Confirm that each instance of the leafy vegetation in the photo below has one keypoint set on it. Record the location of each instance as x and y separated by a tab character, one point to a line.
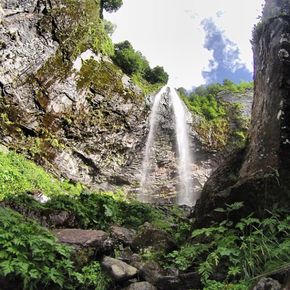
31	258
238	252
134	63
216	116
111	5
17	175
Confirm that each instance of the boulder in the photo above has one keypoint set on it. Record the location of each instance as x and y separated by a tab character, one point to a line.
118	270
141	286
152	237
82	238
185	281
151	271
123	235
267	284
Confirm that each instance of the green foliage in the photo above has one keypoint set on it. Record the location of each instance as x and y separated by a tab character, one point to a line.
95	210
91	277
20	175
111	5
30	253
145	86
128	59
109	26
203	101
135	64
31	258
238	251
156	75
221	123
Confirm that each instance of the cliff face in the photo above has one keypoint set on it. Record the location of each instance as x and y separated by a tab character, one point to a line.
259	174
65	104
62	100
269	146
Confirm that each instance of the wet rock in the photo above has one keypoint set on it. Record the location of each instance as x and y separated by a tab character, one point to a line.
152	237
122	235
141	286
151	271
61	219
268	284
179	282
118	270
82	238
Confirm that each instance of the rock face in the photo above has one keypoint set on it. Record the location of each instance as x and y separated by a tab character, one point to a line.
65	104
62	101
263	168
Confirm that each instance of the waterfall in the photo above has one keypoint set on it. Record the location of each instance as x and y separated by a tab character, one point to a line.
186	194
146	165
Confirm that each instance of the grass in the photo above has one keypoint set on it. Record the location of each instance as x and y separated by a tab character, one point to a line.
18	175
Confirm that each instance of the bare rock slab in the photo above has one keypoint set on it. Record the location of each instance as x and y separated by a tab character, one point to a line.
118	270
82	238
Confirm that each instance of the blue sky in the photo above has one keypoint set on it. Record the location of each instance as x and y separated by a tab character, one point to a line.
197	42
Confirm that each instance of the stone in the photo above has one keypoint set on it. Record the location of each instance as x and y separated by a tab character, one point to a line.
141	286
152	237
185	281
123	235
118	270
82	238
267	284
151	271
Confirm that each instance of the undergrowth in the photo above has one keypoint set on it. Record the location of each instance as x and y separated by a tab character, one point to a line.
231	255
31	258
18	174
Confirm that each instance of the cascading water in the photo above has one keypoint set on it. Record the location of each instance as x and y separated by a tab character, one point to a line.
146	165
186	194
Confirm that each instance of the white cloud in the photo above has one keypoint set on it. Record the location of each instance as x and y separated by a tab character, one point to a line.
169	34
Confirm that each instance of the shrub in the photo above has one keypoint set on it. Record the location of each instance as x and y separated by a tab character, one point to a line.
156	75
237	251
111	5
31	258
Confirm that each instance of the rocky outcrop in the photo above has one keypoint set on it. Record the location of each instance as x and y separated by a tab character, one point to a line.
261	174
67	106
62	101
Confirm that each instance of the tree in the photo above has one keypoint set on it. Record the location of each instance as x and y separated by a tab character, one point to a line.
111	5
156	75
109	26
129	60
